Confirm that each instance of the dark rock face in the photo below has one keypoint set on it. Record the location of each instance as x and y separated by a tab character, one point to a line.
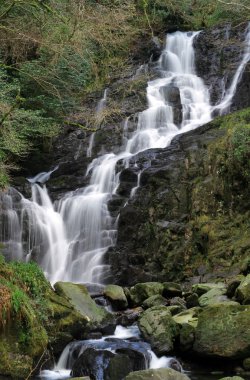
218	52
168	230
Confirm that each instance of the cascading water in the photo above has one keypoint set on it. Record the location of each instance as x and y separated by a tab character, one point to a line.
69	240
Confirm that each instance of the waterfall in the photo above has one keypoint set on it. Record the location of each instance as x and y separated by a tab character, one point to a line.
69	240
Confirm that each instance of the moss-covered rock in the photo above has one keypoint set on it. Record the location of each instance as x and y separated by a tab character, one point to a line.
215	295
77	295
201	289
156	300
223	331
141	291
189	316
158	328
116	296
246	364
233	284
157	374
242	293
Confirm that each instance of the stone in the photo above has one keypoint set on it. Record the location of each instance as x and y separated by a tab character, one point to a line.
192	300
157	374
187	336
104	364
189	316
140	292
215	295
201	289
158	328
177	301
154	301
223	331
116	296
171	289
77	295
233	285
242	293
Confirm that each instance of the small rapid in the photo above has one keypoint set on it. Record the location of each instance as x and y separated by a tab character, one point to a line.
125	341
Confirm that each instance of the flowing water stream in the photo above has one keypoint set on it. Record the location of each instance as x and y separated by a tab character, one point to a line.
69	239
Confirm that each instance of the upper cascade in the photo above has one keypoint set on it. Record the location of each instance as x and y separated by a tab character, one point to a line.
69	239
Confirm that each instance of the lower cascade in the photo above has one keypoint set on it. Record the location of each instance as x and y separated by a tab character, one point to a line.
69	238
115	355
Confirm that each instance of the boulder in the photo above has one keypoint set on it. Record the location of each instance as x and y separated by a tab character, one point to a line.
96	316
171	289
141	291
192	300
116	296
215	295
187	336
177	301
158	328
189	317
242	293
223	331
104	364
156	300
201	289
233	285
157	374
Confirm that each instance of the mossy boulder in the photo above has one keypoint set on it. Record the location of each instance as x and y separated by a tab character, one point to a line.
189	316
242	293
156	300
215	295
223	331
77	295
116	296
141	291
201	289
158	328
157	374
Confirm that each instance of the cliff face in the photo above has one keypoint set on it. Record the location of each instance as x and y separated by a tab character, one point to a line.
189	216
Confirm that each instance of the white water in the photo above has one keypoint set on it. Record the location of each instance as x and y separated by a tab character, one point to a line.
69	240
64	365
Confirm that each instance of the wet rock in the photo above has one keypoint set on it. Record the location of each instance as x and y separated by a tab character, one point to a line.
95	316
129	316
157	374
187	336
214	49
158	328
116	296
242	293
104	364
223	331
172	97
